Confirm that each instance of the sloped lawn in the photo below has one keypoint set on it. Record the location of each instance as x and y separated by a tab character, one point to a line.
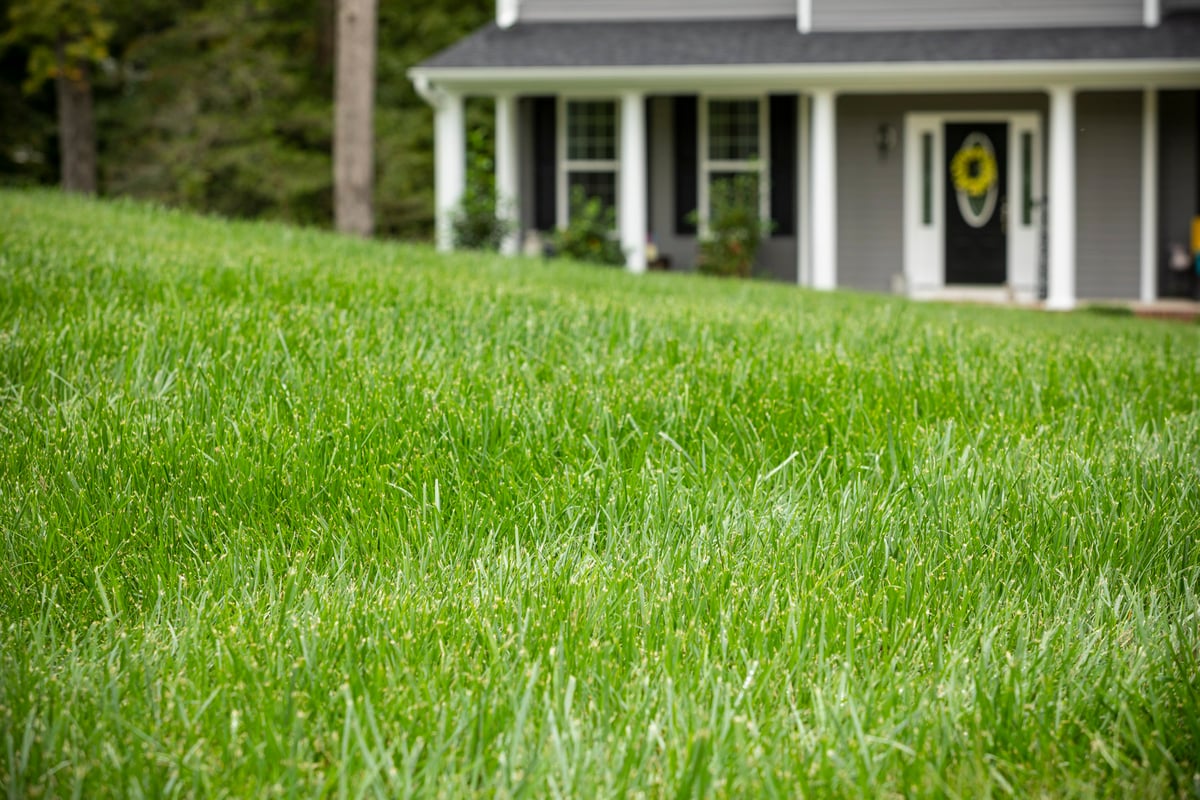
285	514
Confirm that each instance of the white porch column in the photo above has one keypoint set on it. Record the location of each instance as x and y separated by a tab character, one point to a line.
508	201
1149	277
1060	294
631	192
823	193
450	163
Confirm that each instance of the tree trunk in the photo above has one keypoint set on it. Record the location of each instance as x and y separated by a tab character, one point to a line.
76	126
353	128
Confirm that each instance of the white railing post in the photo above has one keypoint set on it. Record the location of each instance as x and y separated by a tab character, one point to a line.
1152	13
507	12
804	15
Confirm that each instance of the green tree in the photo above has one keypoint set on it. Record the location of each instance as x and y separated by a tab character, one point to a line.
226	105
66	40
408	33
228	109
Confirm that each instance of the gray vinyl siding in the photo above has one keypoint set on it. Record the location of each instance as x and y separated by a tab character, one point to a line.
578	10
1178	194
1108	204
860	15
871	188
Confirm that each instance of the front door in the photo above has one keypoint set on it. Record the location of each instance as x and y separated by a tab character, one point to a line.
976	206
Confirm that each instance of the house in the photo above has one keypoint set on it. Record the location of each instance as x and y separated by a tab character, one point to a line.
1029	149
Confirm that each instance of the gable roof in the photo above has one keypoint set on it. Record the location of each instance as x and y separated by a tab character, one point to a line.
777	42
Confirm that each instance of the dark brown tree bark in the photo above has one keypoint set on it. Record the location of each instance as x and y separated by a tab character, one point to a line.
353	128
76	125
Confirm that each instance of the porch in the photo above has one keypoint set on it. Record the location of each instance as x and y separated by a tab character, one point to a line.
852	160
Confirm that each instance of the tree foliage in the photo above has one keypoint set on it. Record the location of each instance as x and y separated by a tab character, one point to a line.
226	106
63	37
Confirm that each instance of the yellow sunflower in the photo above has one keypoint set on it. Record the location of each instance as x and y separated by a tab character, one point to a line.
973	170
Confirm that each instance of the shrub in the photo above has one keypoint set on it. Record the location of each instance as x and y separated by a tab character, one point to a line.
475	224
589	236
735	230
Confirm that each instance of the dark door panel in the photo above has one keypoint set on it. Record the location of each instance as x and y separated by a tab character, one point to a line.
976	171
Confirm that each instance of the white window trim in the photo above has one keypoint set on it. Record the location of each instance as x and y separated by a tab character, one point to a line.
567	165
705	166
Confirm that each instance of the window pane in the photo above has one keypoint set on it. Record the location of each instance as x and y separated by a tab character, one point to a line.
601	186
926	178
591	130
733	130
1026	178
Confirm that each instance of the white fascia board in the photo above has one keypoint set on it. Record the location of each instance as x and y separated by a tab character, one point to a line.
905	78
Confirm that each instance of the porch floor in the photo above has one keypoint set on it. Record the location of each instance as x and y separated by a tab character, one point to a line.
1175	309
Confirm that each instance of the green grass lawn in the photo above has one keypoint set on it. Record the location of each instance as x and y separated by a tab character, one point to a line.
285	514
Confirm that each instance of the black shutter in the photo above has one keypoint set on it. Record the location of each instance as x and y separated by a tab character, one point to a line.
686	164
545	163
783	164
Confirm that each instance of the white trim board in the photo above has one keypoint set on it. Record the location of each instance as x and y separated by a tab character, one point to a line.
897	78
924	244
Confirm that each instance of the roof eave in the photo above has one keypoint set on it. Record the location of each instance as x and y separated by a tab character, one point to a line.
1011	75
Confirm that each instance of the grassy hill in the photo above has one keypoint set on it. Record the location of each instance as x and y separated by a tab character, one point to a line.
284	514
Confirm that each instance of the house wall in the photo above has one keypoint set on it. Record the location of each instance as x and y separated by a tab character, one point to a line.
857	15
1108	202
871	188
1179	196
574	10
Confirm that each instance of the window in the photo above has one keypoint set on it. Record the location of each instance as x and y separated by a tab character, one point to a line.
589	154
733	143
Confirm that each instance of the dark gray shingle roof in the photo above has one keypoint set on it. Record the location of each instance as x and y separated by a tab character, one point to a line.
776	41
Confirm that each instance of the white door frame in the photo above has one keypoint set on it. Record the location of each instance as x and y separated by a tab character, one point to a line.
925	236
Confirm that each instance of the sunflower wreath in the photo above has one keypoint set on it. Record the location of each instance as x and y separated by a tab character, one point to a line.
973	170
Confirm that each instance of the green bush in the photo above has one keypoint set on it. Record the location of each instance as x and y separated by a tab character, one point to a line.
735	228
475	224
589	236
